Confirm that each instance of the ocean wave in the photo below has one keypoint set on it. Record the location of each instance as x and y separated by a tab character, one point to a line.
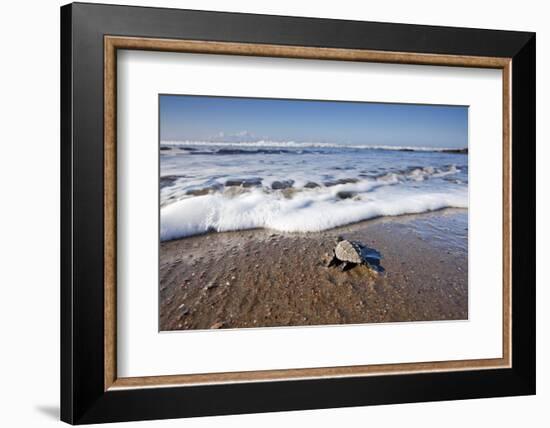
363	180
307	145
313	211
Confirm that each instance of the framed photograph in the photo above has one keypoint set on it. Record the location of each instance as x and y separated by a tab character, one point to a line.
265	213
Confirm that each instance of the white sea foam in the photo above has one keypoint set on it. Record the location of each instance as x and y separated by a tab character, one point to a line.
298	145
308	211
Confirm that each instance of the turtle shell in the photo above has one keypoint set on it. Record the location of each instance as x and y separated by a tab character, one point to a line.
348	251
356	252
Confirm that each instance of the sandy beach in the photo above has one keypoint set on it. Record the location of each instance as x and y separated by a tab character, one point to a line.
263	278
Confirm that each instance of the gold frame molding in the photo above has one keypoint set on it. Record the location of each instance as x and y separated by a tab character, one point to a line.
113	43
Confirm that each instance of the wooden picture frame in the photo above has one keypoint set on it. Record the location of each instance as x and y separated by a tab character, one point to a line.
91	390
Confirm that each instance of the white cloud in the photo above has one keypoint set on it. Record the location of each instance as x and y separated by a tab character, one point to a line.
243	134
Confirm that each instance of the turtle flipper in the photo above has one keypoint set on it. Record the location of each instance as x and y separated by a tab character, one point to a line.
347	266
333	261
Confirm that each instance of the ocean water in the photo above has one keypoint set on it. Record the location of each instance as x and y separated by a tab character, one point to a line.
300	187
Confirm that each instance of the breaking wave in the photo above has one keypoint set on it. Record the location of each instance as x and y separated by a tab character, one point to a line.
306	212
301	145
249	203
300	187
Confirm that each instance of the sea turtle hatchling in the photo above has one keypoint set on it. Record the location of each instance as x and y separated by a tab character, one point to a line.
348	254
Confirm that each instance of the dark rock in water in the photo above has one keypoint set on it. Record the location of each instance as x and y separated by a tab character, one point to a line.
202	191
231	151
340	181
200	152
345	194
168	180
198	192
252	182
284	184
244	182
165	148
248	151
456	151
311	185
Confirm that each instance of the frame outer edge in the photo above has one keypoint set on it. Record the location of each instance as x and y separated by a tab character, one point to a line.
298	30
83	397
66	218
524	215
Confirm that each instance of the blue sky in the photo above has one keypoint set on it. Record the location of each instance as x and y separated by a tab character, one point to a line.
202	118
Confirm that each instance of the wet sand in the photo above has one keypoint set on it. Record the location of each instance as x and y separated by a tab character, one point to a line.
263	278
